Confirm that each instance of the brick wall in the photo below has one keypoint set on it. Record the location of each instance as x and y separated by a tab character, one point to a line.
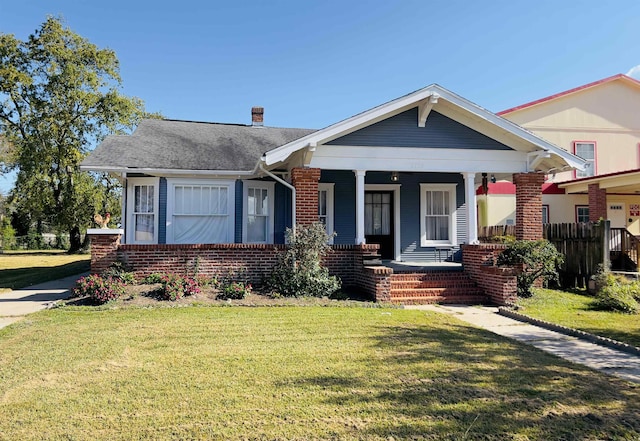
104	251
499	283
597	203
305	181
528	205
252	261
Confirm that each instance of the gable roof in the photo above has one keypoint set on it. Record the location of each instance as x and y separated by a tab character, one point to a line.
172	145
618	77
449	104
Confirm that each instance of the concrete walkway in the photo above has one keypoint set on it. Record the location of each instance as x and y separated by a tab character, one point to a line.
16	304
604	359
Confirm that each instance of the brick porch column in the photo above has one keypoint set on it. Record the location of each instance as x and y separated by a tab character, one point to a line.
597	203
305	181
528	205
104	247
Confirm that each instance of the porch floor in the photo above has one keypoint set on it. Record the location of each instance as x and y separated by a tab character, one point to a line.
421	267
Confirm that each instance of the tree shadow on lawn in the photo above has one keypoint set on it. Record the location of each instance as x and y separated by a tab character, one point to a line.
463	383
16	278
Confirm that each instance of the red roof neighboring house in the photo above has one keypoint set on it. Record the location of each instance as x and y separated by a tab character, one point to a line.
506	187
570	91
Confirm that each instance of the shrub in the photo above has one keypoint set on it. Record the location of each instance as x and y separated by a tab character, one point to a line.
99	289
175	287
118	270
299	272
617	297
537	259
235	290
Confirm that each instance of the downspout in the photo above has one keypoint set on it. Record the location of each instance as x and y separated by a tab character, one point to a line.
289	186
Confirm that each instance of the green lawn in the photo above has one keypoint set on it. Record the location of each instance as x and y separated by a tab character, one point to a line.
575	311
293	373
19	269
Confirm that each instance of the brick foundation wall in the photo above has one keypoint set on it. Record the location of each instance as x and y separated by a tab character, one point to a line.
104	251
375	281
528	205
499	283
250	261
305	181
597	203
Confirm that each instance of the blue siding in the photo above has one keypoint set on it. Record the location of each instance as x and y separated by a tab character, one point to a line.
282	215
162	215
344	208
402	131
345	215
238	220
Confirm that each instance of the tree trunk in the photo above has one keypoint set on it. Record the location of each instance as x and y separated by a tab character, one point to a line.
75	240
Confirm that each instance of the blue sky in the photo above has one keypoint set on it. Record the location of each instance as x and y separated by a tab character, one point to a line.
312	63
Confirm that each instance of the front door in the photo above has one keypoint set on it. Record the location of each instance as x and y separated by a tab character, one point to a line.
617	215
378	221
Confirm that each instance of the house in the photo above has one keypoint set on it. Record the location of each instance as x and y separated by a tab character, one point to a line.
598	122
399	180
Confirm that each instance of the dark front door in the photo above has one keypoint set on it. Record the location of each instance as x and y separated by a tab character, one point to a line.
378	221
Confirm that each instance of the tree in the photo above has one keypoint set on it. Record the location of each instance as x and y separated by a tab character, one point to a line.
59	96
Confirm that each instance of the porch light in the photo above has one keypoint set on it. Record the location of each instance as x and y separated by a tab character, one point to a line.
394	176
493	179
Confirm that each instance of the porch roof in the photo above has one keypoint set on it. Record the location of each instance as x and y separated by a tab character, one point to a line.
541	155
627	181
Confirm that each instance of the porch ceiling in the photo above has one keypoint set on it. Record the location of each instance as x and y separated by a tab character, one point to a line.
627	182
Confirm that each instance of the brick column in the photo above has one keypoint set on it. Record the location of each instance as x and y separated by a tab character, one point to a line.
104	247
528	205
305	181
597	203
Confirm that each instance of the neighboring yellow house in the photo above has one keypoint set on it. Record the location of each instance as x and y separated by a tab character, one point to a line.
600	122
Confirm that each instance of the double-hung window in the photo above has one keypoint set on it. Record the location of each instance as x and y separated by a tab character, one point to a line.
437	214
200	211
325	207
258	212
587	151
142	209
582	213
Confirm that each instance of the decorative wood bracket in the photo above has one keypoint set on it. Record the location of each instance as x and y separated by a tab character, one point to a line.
535	158
425	109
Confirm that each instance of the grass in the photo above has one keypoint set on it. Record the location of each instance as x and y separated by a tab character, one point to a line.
19	269
293	373
575	311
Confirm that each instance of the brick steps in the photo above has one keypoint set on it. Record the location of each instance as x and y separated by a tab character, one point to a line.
435	287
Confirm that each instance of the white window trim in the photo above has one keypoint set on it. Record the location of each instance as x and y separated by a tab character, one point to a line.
171	203
130	224
270	186
395	188
451	188
328	187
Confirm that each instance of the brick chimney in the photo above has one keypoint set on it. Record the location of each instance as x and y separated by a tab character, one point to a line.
257	116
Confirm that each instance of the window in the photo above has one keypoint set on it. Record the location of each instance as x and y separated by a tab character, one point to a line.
437	214
258	212
142	206
545	214
325	207
587	151
582	213
200	211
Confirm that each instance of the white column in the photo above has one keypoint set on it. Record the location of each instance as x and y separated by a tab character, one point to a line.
360	206
472	211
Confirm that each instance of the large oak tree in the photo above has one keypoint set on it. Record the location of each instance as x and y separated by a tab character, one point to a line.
60	95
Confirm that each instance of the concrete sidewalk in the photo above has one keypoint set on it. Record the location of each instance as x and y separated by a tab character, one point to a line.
16	304
604	359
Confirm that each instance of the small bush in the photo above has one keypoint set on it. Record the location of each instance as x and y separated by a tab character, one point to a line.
298	272
118	270
617	298
99	289
537	258
235	290
153	278
175	287
616	293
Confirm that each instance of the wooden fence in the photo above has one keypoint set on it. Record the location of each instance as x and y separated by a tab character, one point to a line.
584	245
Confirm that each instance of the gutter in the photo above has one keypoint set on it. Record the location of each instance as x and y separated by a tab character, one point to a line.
286	184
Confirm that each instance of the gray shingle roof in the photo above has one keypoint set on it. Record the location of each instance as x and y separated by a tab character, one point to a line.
187	145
